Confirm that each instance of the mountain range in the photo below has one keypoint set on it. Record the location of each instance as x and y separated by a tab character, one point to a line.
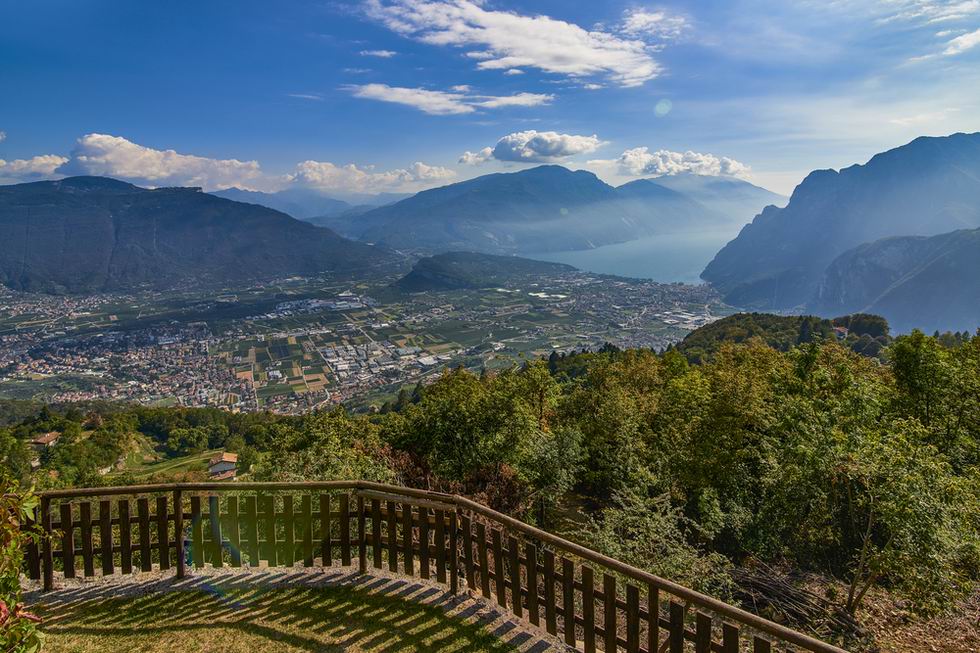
299	203
310	204
928	187
88	234
929	283
547	208
736	199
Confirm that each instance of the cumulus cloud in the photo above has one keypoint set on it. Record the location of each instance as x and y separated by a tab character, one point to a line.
384	54
442	103
640	161
657	24
962	43
476	158
504	40
37	167
534	147
325	176
114	156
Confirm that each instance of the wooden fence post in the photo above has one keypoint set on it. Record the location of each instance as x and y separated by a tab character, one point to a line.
47	558
179	533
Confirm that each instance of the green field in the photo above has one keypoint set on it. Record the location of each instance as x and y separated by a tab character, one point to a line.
191	463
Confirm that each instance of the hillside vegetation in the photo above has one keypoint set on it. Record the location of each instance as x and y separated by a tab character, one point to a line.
860	475
455	270
863	334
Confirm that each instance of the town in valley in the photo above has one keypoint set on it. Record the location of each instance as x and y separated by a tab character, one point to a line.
301	344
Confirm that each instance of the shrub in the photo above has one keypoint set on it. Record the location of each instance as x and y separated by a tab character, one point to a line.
18	627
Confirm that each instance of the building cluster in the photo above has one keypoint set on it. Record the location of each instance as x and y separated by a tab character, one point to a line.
167	365
315	352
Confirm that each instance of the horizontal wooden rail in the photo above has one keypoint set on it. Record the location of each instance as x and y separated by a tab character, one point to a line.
592	601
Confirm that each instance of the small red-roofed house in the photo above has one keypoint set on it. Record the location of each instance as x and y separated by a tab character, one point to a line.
223	466
46	440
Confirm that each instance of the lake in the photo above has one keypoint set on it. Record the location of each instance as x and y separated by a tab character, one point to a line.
666	258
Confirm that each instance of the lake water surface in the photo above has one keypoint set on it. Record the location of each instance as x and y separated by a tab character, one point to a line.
666	258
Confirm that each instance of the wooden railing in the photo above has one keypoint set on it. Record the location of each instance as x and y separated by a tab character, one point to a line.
587	599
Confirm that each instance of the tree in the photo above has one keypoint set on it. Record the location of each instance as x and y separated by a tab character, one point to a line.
916	520
650	533
325	446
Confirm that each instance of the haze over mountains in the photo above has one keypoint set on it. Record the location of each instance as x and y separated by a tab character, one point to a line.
547	208
929	283
898	236
928	187
309	204
299	203
736	199
89	234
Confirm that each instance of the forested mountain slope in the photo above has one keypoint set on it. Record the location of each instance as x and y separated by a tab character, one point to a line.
88	234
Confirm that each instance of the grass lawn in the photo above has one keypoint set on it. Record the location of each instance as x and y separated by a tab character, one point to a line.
269	620
192	462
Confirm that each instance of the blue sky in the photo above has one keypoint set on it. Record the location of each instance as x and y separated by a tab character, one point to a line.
399	95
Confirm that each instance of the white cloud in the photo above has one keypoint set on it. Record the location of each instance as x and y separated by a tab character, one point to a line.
3	136
534	147
962	43
384	54
930	11
43	165
657	24
306	96
476	158
518	100
513	71
350	178
114	156
441	103
930	117
503	40
640	161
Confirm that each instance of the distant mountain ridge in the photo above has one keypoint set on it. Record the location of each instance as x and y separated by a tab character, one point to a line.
929	283
736	199
298	203
470	270
546	208
928	187
90	234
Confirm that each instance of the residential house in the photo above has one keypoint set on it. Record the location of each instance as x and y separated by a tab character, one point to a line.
223	466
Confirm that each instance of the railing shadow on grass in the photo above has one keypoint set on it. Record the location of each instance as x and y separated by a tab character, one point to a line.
334	610
590	601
